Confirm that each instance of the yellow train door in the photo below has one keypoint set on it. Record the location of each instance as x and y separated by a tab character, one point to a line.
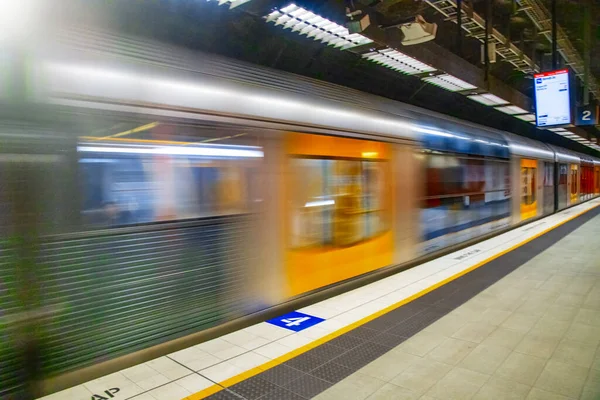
528	189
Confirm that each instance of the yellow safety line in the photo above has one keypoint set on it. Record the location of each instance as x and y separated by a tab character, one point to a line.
279	360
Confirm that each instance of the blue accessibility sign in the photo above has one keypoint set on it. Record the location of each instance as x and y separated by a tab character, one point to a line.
295	321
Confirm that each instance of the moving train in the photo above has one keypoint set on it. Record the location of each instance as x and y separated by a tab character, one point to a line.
164	192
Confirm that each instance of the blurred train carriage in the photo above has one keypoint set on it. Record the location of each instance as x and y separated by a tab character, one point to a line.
180	193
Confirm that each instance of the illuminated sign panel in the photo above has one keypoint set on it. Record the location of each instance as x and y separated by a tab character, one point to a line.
552	98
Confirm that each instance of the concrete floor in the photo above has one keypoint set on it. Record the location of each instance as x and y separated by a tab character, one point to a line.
535	334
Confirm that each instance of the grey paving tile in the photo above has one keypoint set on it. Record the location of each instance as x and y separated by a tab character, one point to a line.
451	351
446	325
583	333
387	339
457	299
458	384
438	295
389	365
499	389
281	374
328	351
421	375
224	394
593	378
253	388
504	337
521	368
281	394
520	322
561	378
363	332
422	343
356	387
538	345
475	332
485	359
308	386
305	362
390	391
539	394
332	372
575	353
346	342
361	355
408	310
396	316
415	324
590	393
383	323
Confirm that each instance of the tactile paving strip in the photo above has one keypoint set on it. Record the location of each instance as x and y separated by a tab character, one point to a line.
308	374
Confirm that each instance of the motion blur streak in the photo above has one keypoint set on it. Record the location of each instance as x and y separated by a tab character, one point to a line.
149	193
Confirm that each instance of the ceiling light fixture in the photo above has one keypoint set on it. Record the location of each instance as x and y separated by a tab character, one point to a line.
449	82
398	61
526	117
512	110
488	99
304	22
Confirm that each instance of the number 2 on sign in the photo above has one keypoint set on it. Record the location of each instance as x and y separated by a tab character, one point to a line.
294	321
587	115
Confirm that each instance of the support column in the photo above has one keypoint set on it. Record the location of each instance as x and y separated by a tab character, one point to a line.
587	33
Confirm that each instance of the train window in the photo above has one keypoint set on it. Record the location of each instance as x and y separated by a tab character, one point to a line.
336	202
463	192
562	178
548	174
528	185
312	202
573	180
128	181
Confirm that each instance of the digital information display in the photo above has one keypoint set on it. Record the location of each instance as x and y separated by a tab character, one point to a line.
552	98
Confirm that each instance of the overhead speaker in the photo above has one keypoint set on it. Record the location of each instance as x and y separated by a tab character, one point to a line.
419	31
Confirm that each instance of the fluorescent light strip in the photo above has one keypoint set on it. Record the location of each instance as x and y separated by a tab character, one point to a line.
449	82
175	150
314	26
488	99
398	61
511	110
305	22
526	117
320	203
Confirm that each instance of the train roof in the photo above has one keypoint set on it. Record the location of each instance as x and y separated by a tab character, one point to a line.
566	156
104	71
529	148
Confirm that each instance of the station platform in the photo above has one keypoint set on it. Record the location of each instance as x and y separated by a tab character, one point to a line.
513	317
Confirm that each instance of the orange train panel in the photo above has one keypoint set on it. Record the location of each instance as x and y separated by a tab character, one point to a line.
528	188
320	265
309	270
574	181
331	146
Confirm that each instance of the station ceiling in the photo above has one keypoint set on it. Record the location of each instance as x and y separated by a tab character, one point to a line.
206	26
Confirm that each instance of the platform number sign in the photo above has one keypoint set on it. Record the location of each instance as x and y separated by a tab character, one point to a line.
295	321
587	115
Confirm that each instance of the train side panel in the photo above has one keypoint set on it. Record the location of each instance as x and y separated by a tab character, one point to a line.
408	188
